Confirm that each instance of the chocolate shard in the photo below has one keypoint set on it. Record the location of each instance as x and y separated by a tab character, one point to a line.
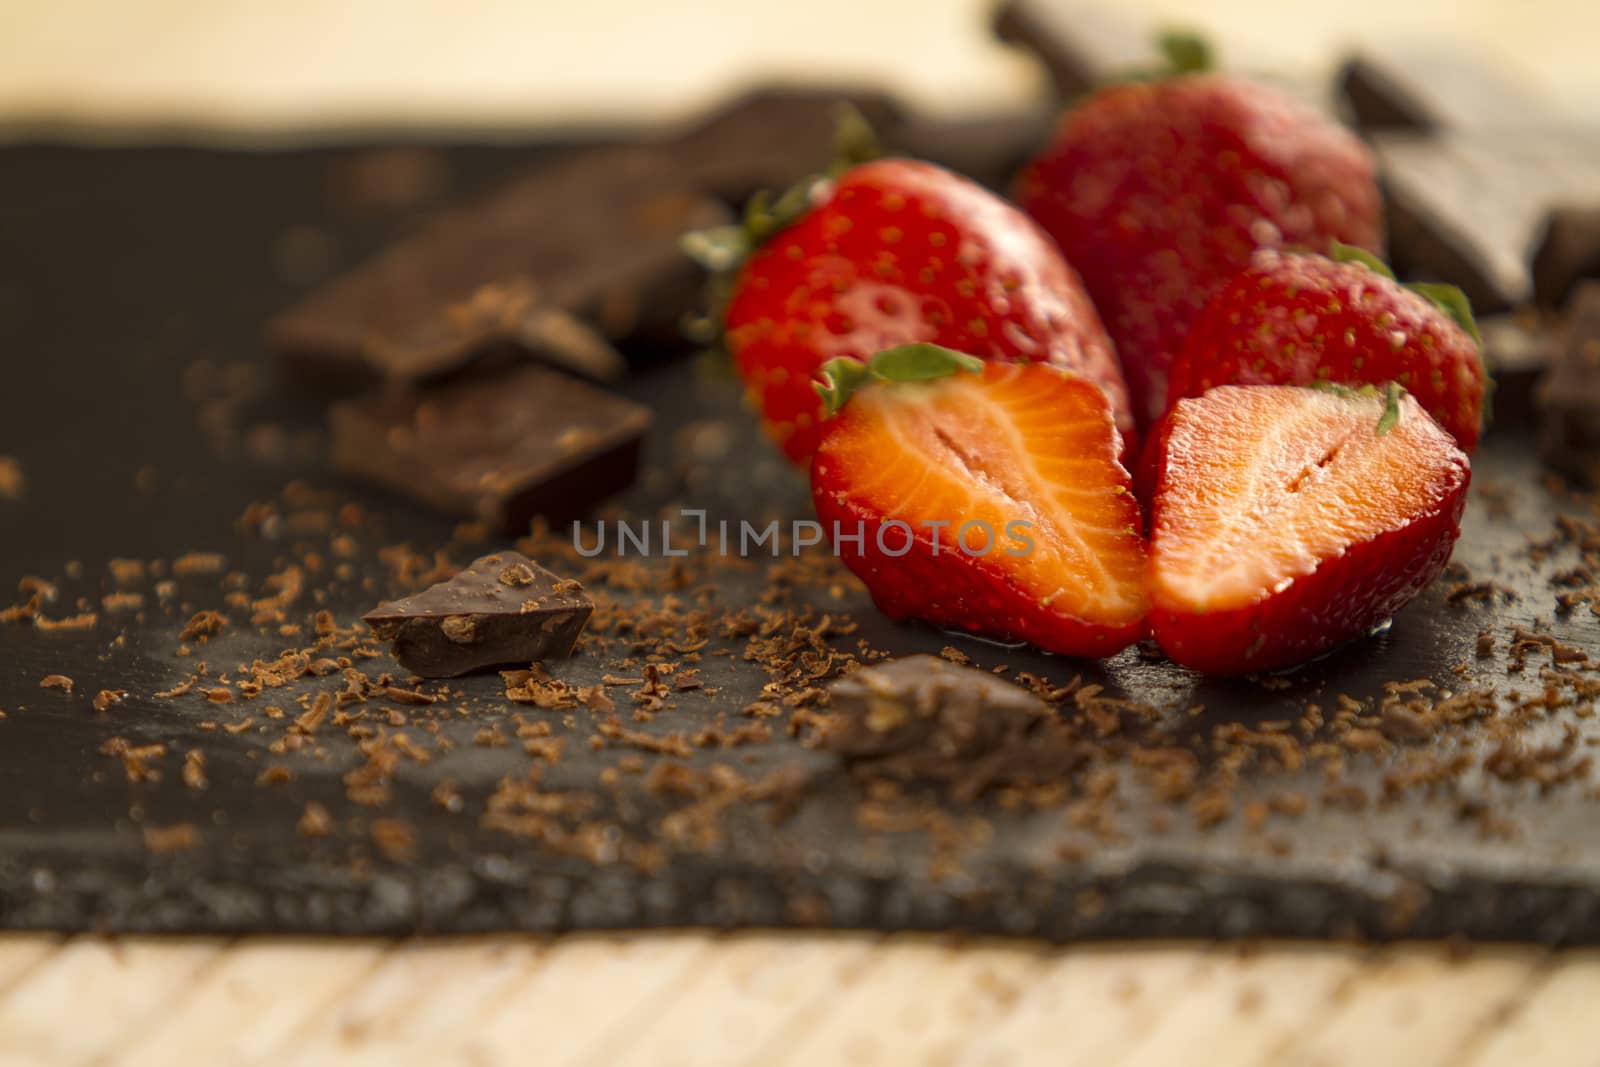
1466	207
1428	89
1517	348
1568	396
504	609
593	235
922	719
773	137
502	449
990	148
1082	47
1567	251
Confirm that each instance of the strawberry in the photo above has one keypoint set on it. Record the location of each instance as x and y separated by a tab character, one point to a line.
888	253
1300	319
1159	192
987	497
1287	520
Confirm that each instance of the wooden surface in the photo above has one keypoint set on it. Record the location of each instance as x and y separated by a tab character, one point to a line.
780	1000
286	69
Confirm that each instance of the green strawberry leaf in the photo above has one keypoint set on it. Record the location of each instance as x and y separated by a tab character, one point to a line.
1392	392
1452	302
1391	408
717	249
908	363
1186	51
1340	252
840	379
854	140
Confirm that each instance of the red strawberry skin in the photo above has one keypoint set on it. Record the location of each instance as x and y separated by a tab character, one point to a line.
1159	192
911	453
1297	319
897	252
1282	526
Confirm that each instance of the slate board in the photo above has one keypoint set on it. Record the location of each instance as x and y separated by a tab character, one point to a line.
120	268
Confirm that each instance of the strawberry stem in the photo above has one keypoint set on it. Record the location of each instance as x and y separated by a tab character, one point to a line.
1186	51
908	363
1392	392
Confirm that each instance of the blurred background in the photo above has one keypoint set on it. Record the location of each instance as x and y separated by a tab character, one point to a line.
326	68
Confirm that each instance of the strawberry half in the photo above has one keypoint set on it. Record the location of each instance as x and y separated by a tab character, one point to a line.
1159	192
1297	319
1286	521
989	498
888	253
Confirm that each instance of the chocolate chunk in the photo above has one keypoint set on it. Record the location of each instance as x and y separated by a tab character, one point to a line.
592	235
924	719
1569	394
1082	47
502	449
990	149
1467	207
1517	347
504	609
1427	89
1568	250
772	138
1085	47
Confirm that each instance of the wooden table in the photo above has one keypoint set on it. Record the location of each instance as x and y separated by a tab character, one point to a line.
773	1000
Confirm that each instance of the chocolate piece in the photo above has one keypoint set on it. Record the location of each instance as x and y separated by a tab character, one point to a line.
1082	47
1569	394
924	719
501	449
1517	347
772	138
1568	250
1466	207
1426	89
504	609
1085	47
594	235
990	149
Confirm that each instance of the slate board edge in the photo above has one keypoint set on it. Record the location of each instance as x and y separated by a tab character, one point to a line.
1150	899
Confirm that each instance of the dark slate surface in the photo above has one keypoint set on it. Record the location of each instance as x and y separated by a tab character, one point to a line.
119	269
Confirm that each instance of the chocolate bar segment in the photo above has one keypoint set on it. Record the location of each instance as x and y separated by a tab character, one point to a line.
1429	89
593	235
1466	207
1569	394
1567	252
961	730
772	138
502	449
502	610
1082	47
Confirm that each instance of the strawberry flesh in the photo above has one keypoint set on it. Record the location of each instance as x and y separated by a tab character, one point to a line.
1283	523
1027	444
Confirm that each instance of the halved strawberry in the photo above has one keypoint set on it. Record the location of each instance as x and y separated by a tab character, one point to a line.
1286	520
988	497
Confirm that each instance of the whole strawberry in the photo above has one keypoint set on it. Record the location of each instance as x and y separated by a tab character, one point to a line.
1287	520
983	497
894	252
1298	319
1159	192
